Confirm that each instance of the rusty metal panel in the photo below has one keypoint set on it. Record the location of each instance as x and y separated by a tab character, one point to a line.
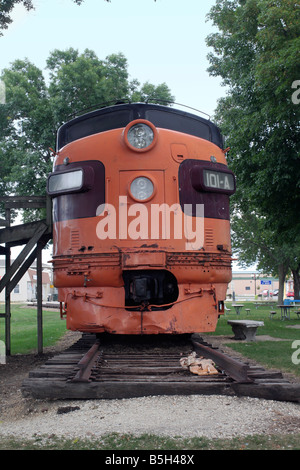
144	259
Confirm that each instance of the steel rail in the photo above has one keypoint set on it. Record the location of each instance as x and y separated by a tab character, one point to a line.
235	369
86	364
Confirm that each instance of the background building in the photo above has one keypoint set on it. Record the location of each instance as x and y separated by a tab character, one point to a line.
25	290
251	285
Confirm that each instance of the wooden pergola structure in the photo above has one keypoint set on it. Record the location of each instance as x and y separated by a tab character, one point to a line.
34	236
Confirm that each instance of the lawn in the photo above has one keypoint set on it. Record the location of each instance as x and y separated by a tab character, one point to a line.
276	354
24	328
125	442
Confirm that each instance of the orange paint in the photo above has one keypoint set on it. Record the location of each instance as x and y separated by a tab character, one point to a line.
88	271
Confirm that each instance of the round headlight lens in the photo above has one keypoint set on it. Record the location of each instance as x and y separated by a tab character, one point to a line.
140	136
141	188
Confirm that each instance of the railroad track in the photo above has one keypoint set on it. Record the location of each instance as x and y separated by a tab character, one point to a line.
112	367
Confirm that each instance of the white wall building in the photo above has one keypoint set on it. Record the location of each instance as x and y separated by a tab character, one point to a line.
25	290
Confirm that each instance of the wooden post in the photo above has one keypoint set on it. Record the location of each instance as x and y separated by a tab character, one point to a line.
39	297
7	293
49	212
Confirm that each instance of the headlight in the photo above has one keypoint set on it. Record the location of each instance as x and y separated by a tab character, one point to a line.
141	188
140	135
68	181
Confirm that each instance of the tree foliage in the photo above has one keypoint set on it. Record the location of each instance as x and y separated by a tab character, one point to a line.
6	8
257	55
256	52
34	110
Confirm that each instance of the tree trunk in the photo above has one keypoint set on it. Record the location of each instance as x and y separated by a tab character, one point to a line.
282	272
296	278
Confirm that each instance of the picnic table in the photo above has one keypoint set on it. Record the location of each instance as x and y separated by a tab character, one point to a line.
245	329
289	301
238	308
263	303
285	311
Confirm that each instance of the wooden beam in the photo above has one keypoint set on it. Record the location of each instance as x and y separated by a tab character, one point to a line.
3	250
21	257
20	234
23	202
13	282
3	223
49	219
25	266
25	205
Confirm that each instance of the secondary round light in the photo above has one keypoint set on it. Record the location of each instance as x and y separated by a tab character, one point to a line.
141	188
140	136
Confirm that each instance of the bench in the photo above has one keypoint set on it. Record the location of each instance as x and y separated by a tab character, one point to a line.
272	313
227	309
245	329
247	311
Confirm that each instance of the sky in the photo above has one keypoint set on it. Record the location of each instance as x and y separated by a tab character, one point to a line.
163	41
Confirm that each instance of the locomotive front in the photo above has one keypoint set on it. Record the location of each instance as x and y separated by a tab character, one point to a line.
141	235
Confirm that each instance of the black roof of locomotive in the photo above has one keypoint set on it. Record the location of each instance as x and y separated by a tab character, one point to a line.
114	117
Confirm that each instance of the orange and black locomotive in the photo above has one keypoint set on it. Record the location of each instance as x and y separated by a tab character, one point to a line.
141	221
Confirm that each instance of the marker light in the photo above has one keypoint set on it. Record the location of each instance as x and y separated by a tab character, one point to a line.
141	188
65	182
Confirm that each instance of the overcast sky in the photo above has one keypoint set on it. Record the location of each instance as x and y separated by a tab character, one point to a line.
163	41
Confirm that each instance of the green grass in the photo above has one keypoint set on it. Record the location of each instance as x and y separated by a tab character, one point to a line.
275	354
24	329
146	442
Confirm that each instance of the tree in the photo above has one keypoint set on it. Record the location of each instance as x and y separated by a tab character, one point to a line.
6	8
254	241
27	131
82	81
33	111
150	92
258	117
256	54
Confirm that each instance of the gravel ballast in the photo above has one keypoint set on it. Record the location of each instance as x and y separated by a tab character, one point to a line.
209	416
